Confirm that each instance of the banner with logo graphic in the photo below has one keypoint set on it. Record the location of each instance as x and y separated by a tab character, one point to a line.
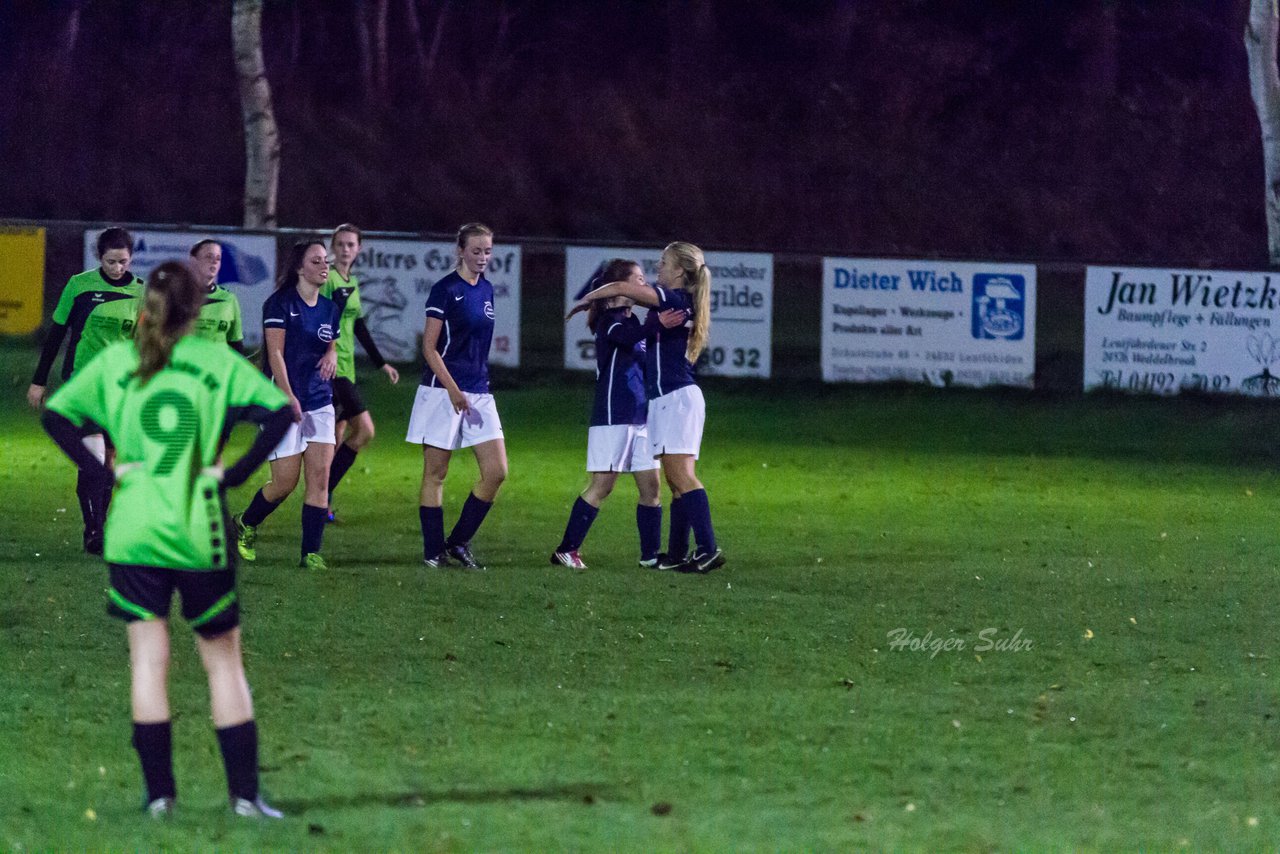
1165	331
21	280
938	322
248	266
741	308
396	277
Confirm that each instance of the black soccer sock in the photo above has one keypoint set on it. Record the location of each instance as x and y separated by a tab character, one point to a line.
154	743
342	460
89	492
649	523
313	521
580	519
698	510
239	745
432	521
107	486
473	512
259	509
678	535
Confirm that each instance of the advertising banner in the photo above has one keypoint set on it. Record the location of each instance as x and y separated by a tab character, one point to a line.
1164	331
248	266
938	322
396	276
21	280
741	308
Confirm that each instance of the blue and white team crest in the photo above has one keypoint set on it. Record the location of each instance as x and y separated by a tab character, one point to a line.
999	306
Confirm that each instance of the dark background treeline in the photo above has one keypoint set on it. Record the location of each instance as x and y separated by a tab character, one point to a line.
1088	130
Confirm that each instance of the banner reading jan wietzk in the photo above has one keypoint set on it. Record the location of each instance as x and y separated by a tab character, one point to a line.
1165	331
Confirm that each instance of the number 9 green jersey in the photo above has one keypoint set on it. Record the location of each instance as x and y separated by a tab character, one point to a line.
167	510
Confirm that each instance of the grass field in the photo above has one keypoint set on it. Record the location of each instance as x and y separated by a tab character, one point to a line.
764	707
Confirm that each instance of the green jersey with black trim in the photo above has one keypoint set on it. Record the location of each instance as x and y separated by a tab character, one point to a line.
167	509
346	293
219	318
97	312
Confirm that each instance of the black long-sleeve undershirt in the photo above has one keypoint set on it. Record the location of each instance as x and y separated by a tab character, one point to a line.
365	337
48	353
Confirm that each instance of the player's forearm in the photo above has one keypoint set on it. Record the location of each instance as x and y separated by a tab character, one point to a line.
436	364
67	436
365	337
48	353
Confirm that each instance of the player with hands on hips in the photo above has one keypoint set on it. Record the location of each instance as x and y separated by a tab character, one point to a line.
167	401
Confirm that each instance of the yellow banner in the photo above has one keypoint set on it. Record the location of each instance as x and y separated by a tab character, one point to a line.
21	280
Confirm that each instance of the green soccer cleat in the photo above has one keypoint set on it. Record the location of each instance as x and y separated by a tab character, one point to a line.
246	536
313	560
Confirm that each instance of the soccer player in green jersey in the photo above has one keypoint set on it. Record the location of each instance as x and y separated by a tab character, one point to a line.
353	416
97	307
167	400
219	318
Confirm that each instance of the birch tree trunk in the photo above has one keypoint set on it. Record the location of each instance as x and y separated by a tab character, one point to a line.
261	137
1264	82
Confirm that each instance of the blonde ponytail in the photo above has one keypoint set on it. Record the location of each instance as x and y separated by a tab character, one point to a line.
697	277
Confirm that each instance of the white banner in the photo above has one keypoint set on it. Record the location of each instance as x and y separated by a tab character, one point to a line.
938	322
1163	331
248	266
395	278
741	308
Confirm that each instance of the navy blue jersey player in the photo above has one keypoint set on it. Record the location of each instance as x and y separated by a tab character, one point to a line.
299	328
677	411
617	440
453	408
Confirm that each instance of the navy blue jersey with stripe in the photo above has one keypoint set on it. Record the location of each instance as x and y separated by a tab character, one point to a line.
666	368
466	310
308	329
620	349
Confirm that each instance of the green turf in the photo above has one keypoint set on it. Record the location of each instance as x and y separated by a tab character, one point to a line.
761	707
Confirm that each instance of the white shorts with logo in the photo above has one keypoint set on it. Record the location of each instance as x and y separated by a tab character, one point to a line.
676	420
316	426
619	447
434	422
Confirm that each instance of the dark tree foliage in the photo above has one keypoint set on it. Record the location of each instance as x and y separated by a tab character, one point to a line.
1091	130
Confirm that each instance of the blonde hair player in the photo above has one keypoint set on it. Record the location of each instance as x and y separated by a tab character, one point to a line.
453	408
677	411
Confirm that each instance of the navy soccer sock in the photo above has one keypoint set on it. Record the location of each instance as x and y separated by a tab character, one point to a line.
473	513
649	523
313	520
678	535
432	521
580	519
154	743
342	460
259	509
698	509
239	746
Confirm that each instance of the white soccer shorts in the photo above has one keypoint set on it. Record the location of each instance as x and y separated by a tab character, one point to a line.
676	420
316	426
619	447
434	422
